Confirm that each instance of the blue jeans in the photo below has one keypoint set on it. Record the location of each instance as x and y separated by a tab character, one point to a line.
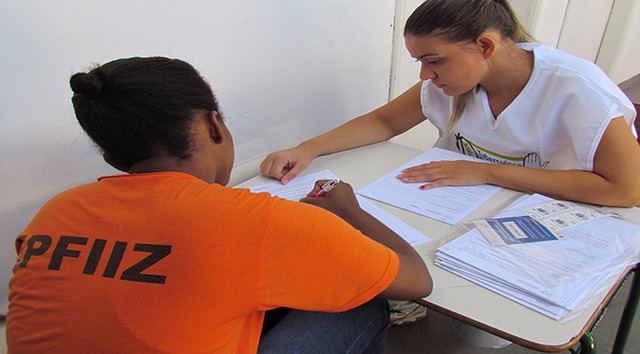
359	330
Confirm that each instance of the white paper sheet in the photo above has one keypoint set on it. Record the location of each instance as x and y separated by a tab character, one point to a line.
472	254
446	204
300	186
555	278
587	248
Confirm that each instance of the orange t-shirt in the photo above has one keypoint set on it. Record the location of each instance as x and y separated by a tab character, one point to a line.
164	262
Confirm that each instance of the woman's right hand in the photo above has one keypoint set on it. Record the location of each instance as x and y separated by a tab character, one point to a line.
286	164
341	201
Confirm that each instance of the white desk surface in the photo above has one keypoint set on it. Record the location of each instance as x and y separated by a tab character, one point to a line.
453	295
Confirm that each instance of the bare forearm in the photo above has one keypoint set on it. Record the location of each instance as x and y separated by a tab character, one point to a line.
413	280
613	182
580	186
395	117
379	232
361	131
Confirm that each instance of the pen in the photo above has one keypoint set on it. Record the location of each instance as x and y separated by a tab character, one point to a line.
329	185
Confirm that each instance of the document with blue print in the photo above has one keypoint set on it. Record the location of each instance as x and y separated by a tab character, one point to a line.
514	230
541	222
300	186
556	278
446	204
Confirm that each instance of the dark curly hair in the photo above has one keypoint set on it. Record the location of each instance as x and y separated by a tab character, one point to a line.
136	108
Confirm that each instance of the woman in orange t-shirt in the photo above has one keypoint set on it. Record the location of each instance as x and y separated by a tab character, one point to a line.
166	258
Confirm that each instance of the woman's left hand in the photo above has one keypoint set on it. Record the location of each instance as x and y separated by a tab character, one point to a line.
446	173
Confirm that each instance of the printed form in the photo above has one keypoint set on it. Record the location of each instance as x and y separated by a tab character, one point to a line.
556	278
446	204
300	186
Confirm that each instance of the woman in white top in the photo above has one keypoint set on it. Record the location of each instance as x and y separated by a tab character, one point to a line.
552	123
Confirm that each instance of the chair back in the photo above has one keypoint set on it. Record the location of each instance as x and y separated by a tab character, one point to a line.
631	88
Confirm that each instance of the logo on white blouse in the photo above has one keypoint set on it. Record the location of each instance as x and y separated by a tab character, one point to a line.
532	159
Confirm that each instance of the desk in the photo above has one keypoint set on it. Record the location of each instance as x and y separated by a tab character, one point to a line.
452	295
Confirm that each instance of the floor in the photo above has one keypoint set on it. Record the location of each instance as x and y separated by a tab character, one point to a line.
435	335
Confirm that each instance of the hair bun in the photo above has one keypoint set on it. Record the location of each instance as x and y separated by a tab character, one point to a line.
87	84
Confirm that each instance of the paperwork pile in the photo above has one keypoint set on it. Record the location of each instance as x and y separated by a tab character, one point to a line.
556	278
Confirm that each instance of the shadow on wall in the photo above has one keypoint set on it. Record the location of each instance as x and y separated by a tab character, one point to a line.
325	107
39	179
19	215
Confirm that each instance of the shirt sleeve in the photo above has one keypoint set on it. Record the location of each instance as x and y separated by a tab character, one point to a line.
313	260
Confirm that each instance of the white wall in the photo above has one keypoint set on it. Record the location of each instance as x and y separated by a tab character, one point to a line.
619	54
283	70
606	32
404	74
542	18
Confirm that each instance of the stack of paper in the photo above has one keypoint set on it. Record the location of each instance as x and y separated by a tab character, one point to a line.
556	278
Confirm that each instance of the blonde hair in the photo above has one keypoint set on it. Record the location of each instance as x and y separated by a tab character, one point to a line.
463	21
